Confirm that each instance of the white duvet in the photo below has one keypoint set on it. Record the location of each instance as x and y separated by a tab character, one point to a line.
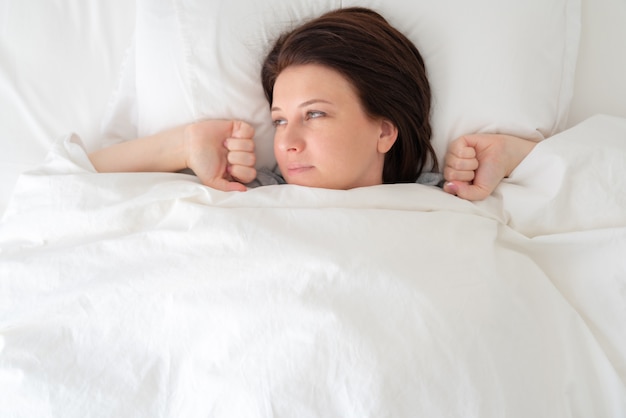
150	295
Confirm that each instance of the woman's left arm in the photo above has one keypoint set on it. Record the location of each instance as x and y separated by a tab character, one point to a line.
475	164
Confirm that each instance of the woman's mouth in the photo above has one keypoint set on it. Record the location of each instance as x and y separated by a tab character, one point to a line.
295	169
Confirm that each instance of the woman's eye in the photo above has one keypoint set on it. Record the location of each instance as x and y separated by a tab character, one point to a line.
278	122
313	114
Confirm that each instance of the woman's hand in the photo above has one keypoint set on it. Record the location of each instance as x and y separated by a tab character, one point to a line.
475	164
221	153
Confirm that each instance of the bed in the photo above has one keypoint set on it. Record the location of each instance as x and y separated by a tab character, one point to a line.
151	295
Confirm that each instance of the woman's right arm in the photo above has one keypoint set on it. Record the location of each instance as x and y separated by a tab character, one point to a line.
220	152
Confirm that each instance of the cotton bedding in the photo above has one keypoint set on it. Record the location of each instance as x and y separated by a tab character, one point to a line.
149	294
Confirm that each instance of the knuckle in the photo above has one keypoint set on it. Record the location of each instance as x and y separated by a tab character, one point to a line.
457	164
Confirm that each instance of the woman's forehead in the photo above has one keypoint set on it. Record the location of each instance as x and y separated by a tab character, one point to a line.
314	81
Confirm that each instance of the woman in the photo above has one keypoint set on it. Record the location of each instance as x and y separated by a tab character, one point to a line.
350	102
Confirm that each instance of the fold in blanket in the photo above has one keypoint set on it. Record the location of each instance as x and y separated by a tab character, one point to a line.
149	294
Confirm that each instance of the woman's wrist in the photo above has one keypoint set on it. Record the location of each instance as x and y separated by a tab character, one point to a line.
517	149
164	151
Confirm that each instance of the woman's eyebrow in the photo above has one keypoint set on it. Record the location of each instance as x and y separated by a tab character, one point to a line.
303	104
313	101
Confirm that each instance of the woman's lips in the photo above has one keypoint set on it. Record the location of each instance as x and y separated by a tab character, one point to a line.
293	169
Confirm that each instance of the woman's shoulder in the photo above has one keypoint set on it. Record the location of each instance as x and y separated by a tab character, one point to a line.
266	177
431	179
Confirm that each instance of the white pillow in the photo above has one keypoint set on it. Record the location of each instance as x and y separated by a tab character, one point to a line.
493	65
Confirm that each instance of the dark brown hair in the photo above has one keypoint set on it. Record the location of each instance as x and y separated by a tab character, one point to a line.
385	68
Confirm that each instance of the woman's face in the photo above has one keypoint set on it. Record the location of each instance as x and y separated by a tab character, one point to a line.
323	136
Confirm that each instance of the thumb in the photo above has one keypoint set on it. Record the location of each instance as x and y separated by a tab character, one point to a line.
225	185
466	190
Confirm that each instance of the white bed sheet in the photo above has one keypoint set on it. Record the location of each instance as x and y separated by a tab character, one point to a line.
152	295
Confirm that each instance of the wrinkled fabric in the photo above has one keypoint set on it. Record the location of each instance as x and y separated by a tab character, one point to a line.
150	295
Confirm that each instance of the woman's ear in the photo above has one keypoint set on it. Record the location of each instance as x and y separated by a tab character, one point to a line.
388	135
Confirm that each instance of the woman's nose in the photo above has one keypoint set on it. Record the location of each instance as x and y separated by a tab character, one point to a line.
289	138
